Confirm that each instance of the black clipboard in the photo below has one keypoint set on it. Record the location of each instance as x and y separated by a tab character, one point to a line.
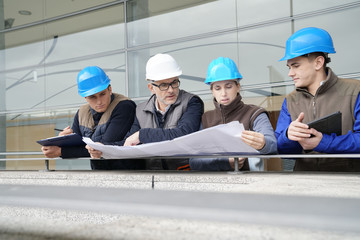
328	124
70	140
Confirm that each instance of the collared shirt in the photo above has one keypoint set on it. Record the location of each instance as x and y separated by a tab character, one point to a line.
158	109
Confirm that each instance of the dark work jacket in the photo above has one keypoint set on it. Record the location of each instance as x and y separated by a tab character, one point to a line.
235	111
107	127
335	94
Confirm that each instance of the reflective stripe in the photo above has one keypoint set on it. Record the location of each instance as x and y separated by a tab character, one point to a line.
184	168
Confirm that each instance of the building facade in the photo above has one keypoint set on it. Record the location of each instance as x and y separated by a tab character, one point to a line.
45	43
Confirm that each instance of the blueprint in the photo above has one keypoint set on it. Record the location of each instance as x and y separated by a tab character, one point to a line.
222	139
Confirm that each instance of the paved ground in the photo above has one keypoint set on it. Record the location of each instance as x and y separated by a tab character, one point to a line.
18	222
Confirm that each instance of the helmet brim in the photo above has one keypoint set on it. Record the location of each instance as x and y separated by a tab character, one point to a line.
94	90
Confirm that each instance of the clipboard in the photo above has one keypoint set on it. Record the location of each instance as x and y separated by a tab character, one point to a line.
70	140
328	124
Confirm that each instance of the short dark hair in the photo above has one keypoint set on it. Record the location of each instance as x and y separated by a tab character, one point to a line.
314	55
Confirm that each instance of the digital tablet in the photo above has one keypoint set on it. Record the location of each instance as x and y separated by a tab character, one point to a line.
328	124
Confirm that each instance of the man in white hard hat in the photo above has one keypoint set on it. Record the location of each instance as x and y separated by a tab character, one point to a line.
169	112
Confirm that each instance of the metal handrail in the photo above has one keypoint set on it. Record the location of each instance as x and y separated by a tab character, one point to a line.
235	156
20	153
325	155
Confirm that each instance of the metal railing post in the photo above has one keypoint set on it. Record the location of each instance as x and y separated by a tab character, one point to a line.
236	164
47	165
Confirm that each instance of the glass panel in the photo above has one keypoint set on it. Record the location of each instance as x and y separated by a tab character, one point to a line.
250	12
304	6
25	89
100	30
177	19
21	12
257	97
2	137
95	32
22	132
61	87
26	72
136	72
41	74
29	52
55	86
22	87
344	29
259	52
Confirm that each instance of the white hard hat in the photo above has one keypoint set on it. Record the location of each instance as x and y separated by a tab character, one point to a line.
162	66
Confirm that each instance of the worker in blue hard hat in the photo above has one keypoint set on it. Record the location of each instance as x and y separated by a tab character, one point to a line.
106	117
319	92
224	79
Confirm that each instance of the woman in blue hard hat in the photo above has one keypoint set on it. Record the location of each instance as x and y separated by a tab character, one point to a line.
223	77
319	92
106	118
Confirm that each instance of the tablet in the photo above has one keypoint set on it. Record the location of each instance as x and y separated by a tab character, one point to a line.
328	124
70	140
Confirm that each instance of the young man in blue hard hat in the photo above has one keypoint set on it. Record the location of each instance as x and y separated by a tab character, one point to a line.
169	112
223	77
318	92
106	118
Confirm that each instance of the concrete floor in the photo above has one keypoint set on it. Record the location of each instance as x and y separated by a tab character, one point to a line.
20	222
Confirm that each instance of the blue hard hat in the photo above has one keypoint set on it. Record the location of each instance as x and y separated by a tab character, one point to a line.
92	80
222	69
308	40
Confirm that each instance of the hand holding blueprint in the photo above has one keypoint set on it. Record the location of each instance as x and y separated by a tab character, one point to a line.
222	139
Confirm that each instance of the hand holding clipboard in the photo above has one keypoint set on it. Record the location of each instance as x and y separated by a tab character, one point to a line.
70	140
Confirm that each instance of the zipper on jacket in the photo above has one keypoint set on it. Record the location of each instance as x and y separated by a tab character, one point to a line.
314	109
222	115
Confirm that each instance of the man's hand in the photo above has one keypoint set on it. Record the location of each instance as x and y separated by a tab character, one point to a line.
297	130
94	154
132	140
66	131
253	139
51	151
232	162
312	142
300	132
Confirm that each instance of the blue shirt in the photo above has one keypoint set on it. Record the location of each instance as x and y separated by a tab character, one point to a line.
348	143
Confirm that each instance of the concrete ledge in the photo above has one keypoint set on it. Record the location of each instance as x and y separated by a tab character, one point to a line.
20	222
44	224
343	185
